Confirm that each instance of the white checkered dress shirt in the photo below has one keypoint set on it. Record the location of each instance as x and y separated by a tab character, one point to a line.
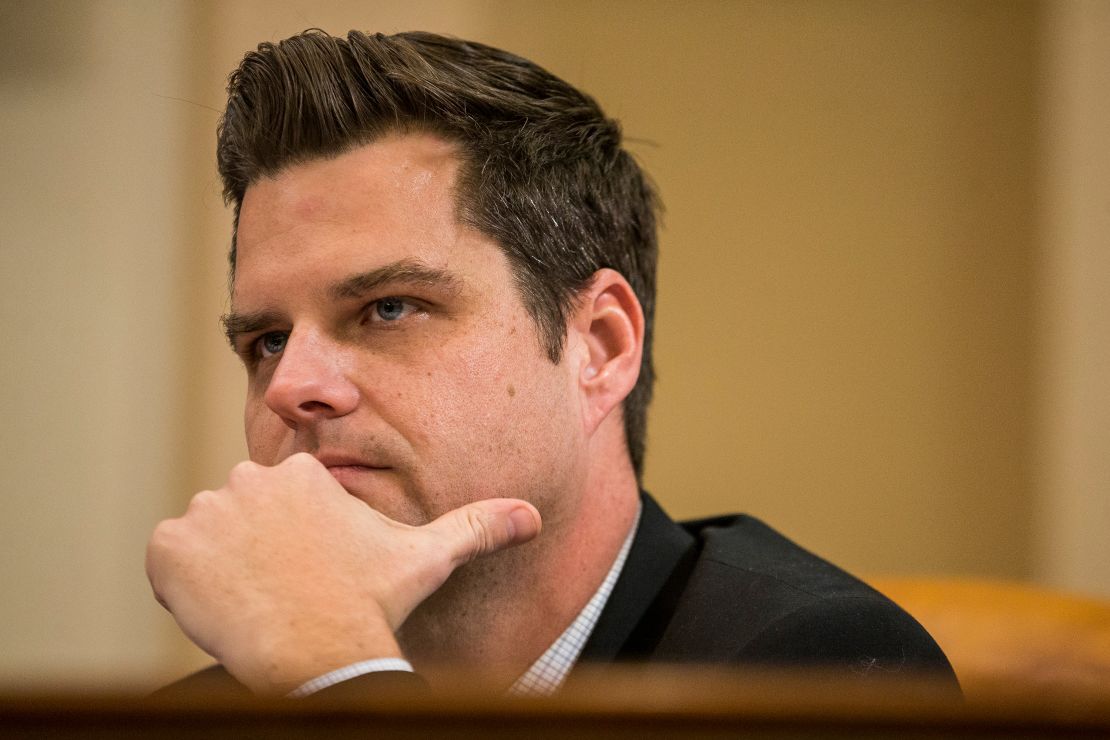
544	677
548	673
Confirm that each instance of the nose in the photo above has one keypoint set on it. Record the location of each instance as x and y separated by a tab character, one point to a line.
310	382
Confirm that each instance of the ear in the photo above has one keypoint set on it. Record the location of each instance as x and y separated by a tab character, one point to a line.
610	325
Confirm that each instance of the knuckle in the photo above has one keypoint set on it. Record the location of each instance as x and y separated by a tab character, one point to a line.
478	525
299	466
163	534
203	501
240	472
299	460
163	543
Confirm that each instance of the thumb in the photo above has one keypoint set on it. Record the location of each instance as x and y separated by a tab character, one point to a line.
485	527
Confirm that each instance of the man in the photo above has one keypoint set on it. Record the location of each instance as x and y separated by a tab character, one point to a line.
443	275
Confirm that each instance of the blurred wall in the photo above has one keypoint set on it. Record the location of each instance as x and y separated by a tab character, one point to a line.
93	236
844	320
1073	443
880	321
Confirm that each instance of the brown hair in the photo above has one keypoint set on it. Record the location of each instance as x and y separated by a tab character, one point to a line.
542	171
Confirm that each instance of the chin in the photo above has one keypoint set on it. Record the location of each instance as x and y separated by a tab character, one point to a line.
380	489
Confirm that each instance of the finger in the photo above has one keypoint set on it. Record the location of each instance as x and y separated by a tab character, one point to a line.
485	527
157	552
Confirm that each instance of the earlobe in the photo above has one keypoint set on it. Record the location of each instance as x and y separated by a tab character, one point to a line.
611	322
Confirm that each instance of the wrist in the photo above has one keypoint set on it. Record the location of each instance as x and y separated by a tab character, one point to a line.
287	664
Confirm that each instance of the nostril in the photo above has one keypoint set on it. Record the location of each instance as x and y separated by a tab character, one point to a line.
314	406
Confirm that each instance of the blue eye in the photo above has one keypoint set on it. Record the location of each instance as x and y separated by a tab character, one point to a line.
272	343
389	309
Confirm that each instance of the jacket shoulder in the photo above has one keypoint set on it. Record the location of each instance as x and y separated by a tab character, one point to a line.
756	597
751	549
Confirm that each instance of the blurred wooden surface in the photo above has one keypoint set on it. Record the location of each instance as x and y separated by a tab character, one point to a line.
636	703
998	633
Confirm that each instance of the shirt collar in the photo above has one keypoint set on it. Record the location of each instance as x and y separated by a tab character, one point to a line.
548	672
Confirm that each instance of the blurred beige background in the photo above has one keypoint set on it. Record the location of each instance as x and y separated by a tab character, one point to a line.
882	324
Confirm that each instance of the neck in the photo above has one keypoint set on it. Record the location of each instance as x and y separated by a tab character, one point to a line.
496	616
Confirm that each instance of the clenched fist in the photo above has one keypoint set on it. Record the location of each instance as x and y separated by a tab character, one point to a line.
282	576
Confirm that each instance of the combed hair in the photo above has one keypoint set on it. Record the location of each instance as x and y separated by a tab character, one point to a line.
542	171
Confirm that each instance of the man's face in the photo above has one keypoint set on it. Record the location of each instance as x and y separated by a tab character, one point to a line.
390	341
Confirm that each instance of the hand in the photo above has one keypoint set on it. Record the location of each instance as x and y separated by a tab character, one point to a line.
282	576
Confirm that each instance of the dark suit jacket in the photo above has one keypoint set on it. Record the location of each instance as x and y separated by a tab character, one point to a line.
729	590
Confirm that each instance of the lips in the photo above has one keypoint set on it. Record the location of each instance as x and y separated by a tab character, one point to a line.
357	480
348	470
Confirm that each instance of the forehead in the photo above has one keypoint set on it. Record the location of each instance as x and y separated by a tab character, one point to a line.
393	199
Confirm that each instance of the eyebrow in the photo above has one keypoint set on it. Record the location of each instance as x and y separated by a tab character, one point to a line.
236	324
409	272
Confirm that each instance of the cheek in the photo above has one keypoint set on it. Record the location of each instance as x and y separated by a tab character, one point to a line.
501	419
265	432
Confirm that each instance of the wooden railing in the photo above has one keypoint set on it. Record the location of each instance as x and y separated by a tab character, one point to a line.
631	703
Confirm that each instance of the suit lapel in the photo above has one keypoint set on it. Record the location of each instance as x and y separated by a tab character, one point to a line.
643	598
